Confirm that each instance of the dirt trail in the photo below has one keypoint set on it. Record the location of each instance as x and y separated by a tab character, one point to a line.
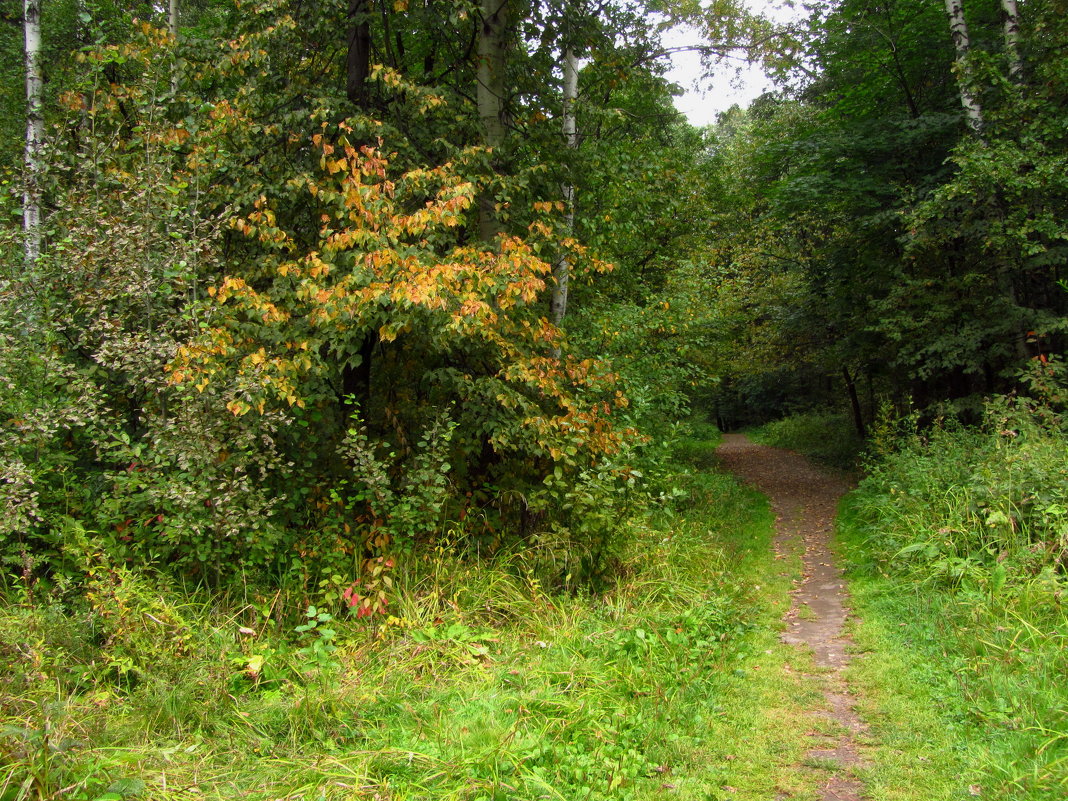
804	499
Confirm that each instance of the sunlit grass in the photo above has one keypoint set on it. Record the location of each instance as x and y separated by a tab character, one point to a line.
825	436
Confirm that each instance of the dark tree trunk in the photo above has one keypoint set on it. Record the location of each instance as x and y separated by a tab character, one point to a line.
854	402
490	95
358	58
356	378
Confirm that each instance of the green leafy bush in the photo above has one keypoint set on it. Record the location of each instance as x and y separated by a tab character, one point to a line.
953	503
227	362
826	436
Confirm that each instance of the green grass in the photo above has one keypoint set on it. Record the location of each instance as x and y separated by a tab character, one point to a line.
482	685
964	689
957	535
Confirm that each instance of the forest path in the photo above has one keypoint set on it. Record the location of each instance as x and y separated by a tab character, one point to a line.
804	499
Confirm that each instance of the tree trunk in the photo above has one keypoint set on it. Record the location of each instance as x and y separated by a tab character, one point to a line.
358	58
492	111
1011	23
172	28
31	194
356	379
854	402
562	268
958	28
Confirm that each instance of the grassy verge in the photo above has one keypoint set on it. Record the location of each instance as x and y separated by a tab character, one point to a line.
480	686
963	685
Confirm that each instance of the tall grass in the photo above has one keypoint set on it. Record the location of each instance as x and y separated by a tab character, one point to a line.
959	542
479	684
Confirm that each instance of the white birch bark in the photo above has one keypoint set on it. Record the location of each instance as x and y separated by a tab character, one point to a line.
958	28
1011	23
31	196
172	28
562	268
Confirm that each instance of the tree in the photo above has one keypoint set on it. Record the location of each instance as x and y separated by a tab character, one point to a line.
358	53
958	28
1011	25
562	269
918	253
492	91
31	212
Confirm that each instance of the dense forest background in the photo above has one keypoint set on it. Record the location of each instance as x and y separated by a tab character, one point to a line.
303	284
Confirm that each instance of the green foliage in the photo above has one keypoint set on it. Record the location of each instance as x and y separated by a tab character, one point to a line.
826	436
317	654
968	506
483	684
862	225
404	510
983	660
236	264
961	532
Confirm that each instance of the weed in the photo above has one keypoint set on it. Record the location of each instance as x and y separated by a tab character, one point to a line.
829	764
317	653
964	677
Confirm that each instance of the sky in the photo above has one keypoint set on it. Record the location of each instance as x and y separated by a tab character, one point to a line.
706	96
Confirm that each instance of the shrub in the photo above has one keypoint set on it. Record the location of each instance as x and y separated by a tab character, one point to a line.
825	435
951	500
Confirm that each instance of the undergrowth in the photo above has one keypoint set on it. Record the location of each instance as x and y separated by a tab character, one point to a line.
479	684
958	543
826	436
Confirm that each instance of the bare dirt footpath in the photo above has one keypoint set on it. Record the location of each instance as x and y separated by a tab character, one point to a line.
804	499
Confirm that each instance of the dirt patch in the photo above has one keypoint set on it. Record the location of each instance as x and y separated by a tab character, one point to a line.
804	499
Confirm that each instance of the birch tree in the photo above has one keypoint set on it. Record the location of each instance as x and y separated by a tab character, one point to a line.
172	29
562	268
958	28
31	198
1011	24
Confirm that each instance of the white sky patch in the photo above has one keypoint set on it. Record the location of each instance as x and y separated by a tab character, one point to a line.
732	81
